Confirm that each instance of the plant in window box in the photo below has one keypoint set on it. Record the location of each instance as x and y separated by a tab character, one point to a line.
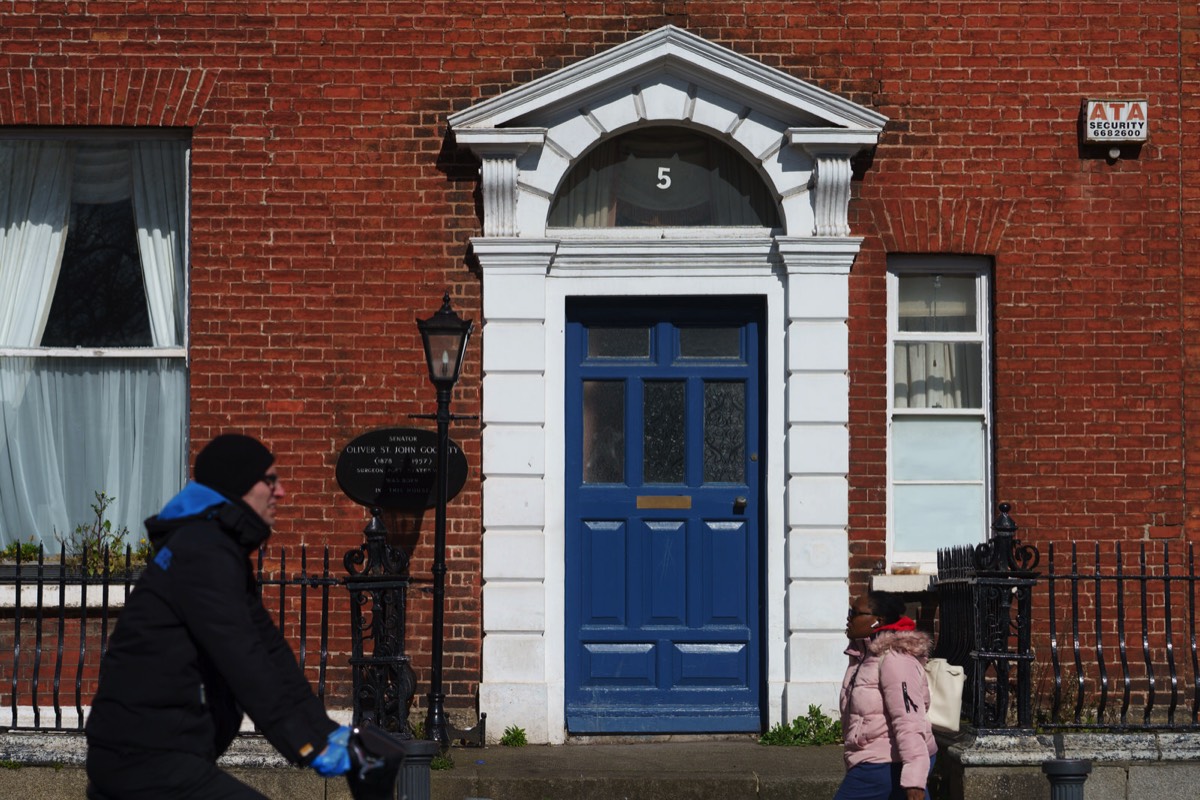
142	553
20	552
21	559
97	544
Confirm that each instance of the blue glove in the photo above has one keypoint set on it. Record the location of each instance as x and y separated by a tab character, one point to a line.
334	760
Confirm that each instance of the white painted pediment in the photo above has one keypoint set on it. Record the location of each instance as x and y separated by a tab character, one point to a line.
689	59
798	136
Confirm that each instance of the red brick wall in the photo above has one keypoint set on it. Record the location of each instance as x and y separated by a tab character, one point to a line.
330	208
982	157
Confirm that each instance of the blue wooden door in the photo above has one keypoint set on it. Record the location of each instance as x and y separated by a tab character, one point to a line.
662	516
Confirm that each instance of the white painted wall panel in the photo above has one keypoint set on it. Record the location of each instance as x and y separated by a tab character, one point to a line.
514	450
818	553
819	397
514	398
514	607
818	345
817	606
517	346
818	501
819	448
516	295
513	502
819	296
514	658
520	704
514	555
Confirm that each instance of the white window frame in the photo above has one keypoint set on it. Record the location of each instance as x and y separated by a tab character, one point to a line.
177	352
117	135
917	561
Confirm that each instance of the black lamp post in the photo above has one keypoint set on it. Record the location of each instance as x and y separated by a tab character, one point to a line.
445	336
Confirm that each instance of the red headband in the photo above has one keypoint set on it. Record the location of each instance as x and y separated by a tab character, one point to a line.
902	624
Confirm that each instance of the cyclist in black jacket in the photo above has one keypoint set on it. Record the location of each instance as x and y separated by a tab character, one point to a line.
194	647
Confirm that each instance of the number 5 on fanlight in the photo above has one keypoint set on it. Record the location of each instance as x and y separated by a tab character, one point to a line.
664	178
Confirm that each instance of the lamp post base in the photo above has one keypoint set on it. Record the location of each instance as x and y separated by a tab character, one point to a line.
438	727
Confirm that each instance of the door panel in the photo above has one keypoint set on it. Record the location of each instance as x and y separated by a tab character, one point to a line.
662	525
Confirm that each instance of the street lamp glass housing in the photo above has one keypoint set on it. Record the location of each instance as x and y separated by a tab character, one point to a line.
445	336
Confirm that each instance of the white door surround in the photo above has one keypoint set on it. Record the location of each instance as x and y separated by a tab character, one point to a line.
800	139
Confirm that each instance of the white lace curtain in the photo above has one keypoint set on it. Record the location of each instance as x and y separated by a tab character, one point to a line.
662	177
73	426
35	182
937	371
938	375
158	200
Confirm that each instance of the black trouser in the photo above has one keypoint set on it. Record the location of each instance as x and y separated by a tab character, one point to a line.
144	775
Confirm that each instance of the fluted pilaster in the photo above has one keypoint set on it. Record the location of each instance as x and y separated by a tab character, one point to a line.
831	151
498	150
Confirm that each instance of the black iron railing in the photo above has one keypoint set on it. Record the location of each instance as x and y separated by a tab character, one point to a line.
277	594
55	620
984	604
1104	638
1123	651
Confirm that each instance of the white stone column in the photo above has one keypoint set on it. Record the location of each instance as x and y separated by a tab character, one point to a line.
818	466
513	688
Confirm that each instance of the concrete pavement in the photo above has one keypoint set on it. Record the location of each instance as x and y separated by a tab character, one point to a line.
997	767
50	768
673	770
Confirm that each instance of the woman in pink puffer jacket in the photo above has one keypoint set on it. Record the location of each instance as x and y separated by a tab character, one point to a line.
889	745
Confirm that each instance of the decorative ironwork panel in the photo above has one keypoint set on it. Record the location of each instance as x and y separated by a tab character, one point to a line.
384	682
663	412
984	599
724	432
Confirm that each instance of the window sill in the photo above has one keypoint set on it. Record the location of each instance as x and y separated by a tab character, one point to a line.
640	233
93	352
70	597
902	584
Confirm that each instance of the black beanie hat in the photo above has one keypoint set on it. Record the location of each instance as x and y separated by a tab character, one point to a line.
232	463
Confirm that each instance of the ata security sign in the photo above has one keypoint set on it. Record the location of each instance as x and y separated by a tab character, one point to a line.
1114	121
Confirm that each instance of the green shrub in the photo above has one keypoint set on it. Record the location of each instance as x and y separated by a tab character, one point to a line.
513	737
141	554
28	551
814	729
85	547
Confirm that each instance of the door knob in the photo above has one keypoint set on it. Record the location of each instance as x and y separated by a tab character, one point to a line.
739	505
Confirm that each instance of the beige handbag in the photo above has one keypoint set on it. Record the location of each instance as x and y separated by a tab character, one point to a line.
946	682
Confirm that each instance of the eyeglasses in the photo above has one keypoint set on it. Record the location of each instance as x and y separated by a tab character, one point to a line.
854	612
270	480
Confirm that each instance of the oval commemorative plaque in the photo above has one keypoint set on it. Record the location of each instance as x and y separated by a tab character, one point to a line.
396	468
